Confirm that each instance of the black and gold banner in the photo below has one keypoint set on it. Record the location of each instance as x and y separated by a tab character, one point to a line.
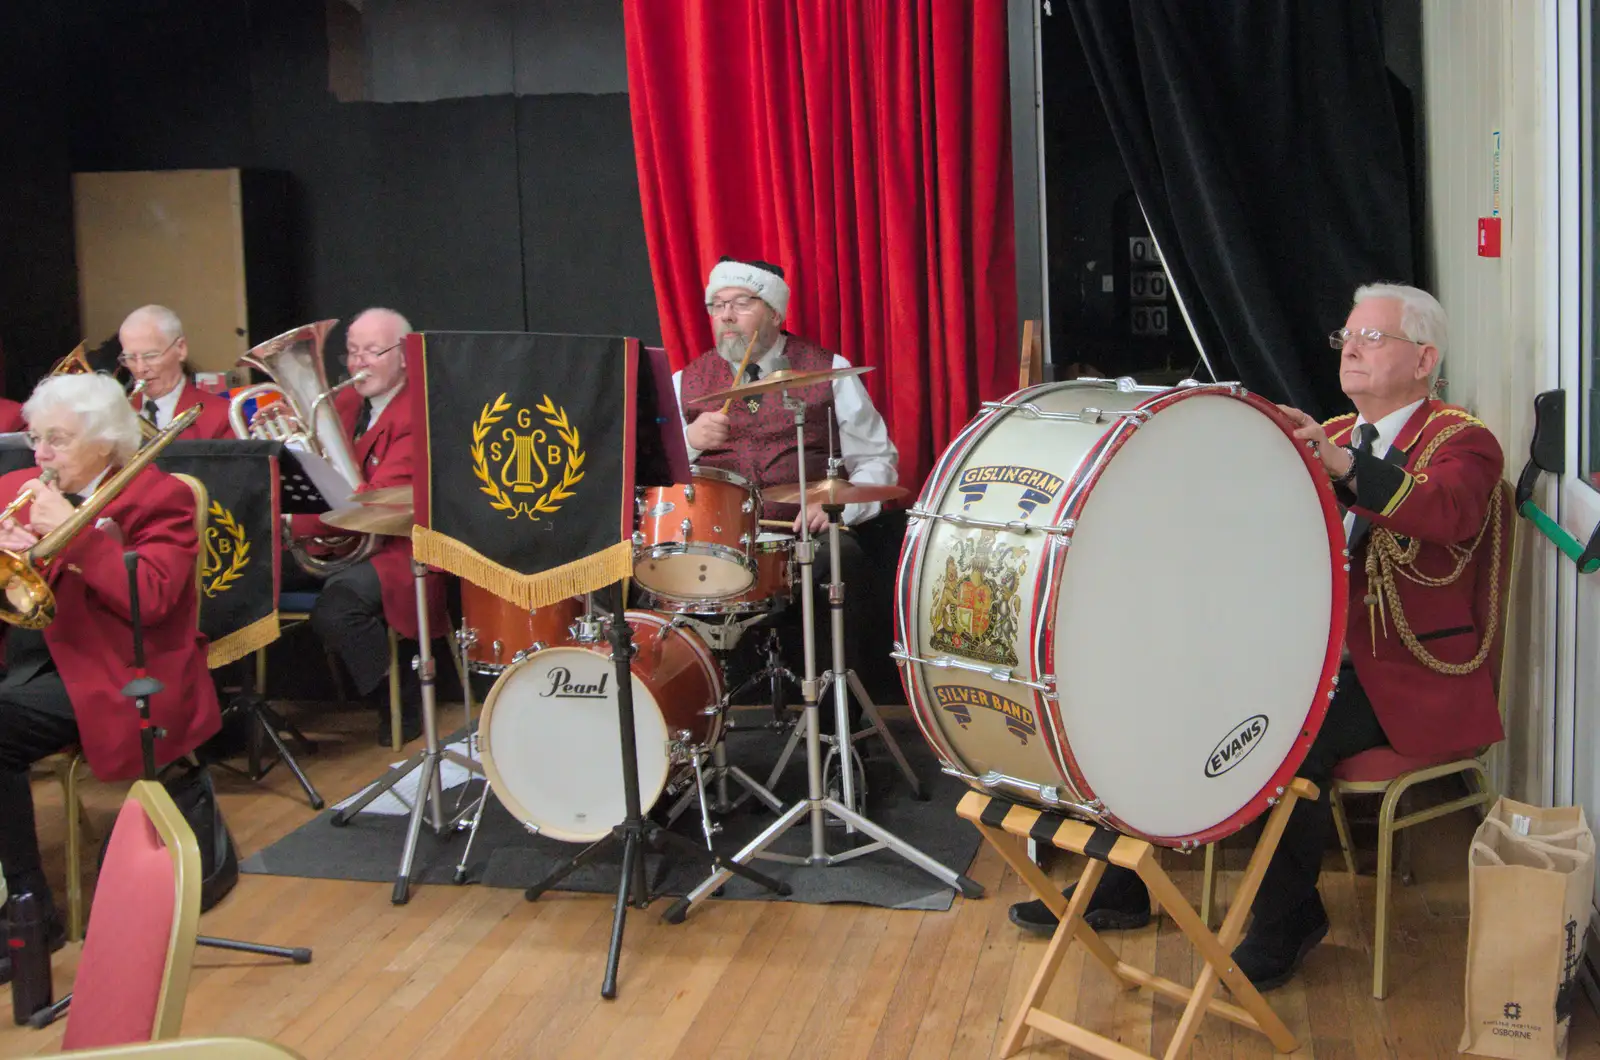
239	573
525	460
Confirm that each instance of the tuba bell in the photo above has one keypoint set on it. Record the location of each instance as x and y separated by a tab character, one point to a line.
303	417
28	601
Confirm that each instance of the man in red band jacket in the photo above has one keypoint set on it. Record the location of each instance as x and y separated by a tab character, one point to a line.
63	684
1407	468
357	605
156	352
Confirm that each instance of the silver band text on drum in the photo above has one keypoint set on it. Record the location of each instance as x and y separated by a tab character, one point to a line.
956	699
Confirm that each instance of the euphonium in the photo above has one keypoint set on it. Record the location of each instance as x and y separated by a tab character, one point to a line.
28	601
304	417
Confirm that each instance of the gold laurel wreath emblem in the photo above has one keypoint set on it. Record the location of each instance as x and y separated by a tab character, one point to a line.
223	520
547	502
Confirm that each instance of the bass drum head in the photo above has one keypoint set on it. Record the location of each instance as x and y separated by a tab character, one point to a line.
549	739
1199	617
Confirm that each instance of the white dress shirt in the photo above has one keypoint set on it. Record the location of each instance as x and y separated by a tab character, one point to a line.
870	458
380	403
1389	429
167	404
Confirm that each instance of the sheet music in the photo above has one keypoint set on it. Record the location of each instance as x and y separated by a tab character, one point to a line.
310	484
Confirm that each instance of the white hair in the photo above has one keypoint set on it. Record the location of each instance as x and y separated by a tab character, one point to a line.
1422	318
100	404
399	319
165	320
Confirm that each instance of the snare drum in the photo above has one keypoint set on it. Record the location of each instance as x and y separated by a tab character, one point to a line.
775	581
1125	603
694	540
549	733
498	633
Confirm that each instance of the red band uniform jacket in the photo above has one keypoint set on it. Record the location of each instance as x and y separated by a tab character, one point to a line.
212	423
11	416
91	639
386	455
1424	712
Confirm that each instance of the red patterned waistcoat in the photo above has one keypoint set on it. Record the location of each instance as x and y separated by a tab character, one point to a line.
762	445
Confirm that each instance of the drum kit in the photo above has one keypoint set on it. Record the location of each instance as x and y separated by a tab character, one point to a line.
707	576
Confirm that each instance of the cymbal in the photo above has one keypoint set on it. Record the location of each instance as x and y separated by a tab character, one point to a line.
782	379
832	491
390	520
387	495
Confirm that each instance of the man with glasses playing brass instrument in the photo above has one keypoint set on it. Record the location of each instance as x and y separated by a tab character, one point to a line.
63	684
358	605
156	352
1417	479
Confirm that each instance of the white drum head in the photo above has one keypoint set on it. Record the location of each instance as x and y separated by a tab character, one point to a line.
550	743
708	573
1193	622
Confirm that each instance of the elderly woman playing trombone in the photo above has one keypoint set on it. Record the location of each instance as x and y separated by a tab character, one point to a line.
65	527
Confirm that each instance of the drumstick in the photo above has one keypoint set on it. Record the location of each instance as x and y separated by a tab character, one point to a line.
786	524
739	372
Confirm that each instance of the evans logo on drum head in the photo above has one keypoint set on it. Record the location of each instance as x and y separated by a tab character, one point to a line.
1236	745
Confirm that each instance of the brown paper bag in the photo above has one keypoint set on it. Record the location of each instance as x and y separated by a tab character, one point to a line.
1531	879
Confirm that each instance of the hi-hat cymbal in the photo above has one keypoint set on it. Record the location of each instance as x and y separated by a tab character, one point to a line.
387	495
782	379
390	520
832	491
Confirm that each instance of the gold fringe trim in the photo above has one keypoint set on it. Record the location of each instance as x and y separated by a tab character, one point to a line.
606	567
242	642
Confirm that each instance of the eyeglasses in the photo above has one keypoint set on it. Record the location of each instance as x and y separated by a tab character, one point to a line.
1364	337
56	440
370	355
129	360
743	304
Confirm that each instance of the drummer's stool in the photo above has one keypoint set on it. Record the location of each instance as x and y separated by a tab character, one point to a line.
1006	825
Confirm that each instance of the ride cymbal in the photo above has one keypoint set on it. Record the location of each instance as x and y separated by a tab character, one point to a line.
389	520
783	379
832	491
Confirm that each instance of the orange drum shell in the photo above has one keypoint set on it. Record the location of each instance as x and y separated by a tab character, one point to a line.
496	621
674	663
723	516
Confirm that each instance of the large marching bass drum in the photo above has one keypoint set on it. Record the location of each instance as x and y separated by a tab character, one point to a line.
1125	603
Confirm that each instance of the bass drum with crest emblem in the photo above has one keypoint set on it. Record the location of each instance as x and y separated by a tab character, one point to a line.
1125	603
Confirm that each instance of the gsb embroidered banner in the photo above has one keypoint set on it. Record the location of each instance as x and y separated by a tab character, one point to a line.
525	480
239	571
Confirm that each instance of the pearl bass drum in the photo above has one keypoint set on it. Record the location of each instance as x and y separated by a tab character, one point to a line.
1126	604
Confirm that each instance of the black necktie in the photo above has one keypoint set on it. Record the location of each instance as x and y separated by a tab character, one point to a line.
1366	435
150	412
364	420
752	372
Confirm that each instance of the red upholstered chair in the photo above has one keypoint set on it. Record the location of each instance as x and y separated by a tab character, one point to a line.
133	975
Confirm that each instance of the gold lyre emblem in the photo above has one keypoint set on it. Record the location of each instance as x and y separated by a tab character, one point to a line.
538	455
227	551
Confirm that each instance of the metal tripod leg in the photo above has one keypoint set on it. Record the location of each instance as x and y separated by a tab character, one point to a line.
430	799
472	833
870	709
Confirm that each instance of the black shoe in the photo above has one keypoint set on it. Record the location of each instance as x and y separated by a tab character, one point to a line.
1120	903
55	934
1271	953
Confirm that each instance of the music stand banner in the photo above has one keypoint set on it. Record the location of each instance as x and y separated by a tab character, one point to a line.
239	575
525	483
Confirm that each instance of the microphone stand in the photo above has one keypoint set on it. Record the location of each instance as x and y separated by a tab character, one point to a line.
140	689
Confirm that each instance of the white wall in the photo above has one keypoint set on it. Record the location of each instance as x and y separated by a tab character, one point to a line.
1483	68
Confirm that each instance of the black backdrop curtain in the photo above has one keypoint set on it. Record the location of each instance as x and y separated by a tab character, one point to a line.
1263	142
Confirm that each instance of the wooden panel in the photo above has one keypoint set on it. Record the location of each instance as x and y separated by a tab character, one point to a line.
173	238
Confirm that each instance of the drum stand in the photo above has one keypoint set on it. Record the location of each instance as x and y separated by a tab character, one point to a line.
430	799
1005	824
817	805
635	830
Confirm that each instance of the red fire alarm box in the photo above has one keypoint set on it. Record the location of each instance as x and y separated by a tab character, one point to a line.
1488	237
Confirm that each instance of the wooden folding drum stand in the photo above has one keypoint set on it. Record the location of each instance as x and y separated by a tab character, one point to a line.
1007	825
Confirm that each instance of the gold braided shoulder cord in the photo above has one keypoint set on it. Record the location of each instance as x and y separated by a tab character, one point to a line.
1386	558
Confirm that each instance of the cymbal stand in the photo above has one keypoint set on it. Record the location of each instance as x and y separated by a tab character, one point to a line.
817	805
430	799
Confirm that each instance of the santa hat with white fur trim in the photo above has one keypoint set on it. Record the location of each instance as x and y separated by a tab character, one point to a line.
764	279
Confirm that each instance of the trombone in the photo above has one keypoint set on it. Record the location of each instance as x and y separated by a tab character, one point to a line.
28	601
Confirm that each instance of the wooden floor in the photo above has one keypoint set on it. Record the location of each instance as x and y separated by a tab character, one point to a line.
475	972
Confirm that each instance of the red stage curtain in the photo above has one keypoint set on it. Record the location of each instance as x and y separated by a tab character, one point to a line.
864	146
